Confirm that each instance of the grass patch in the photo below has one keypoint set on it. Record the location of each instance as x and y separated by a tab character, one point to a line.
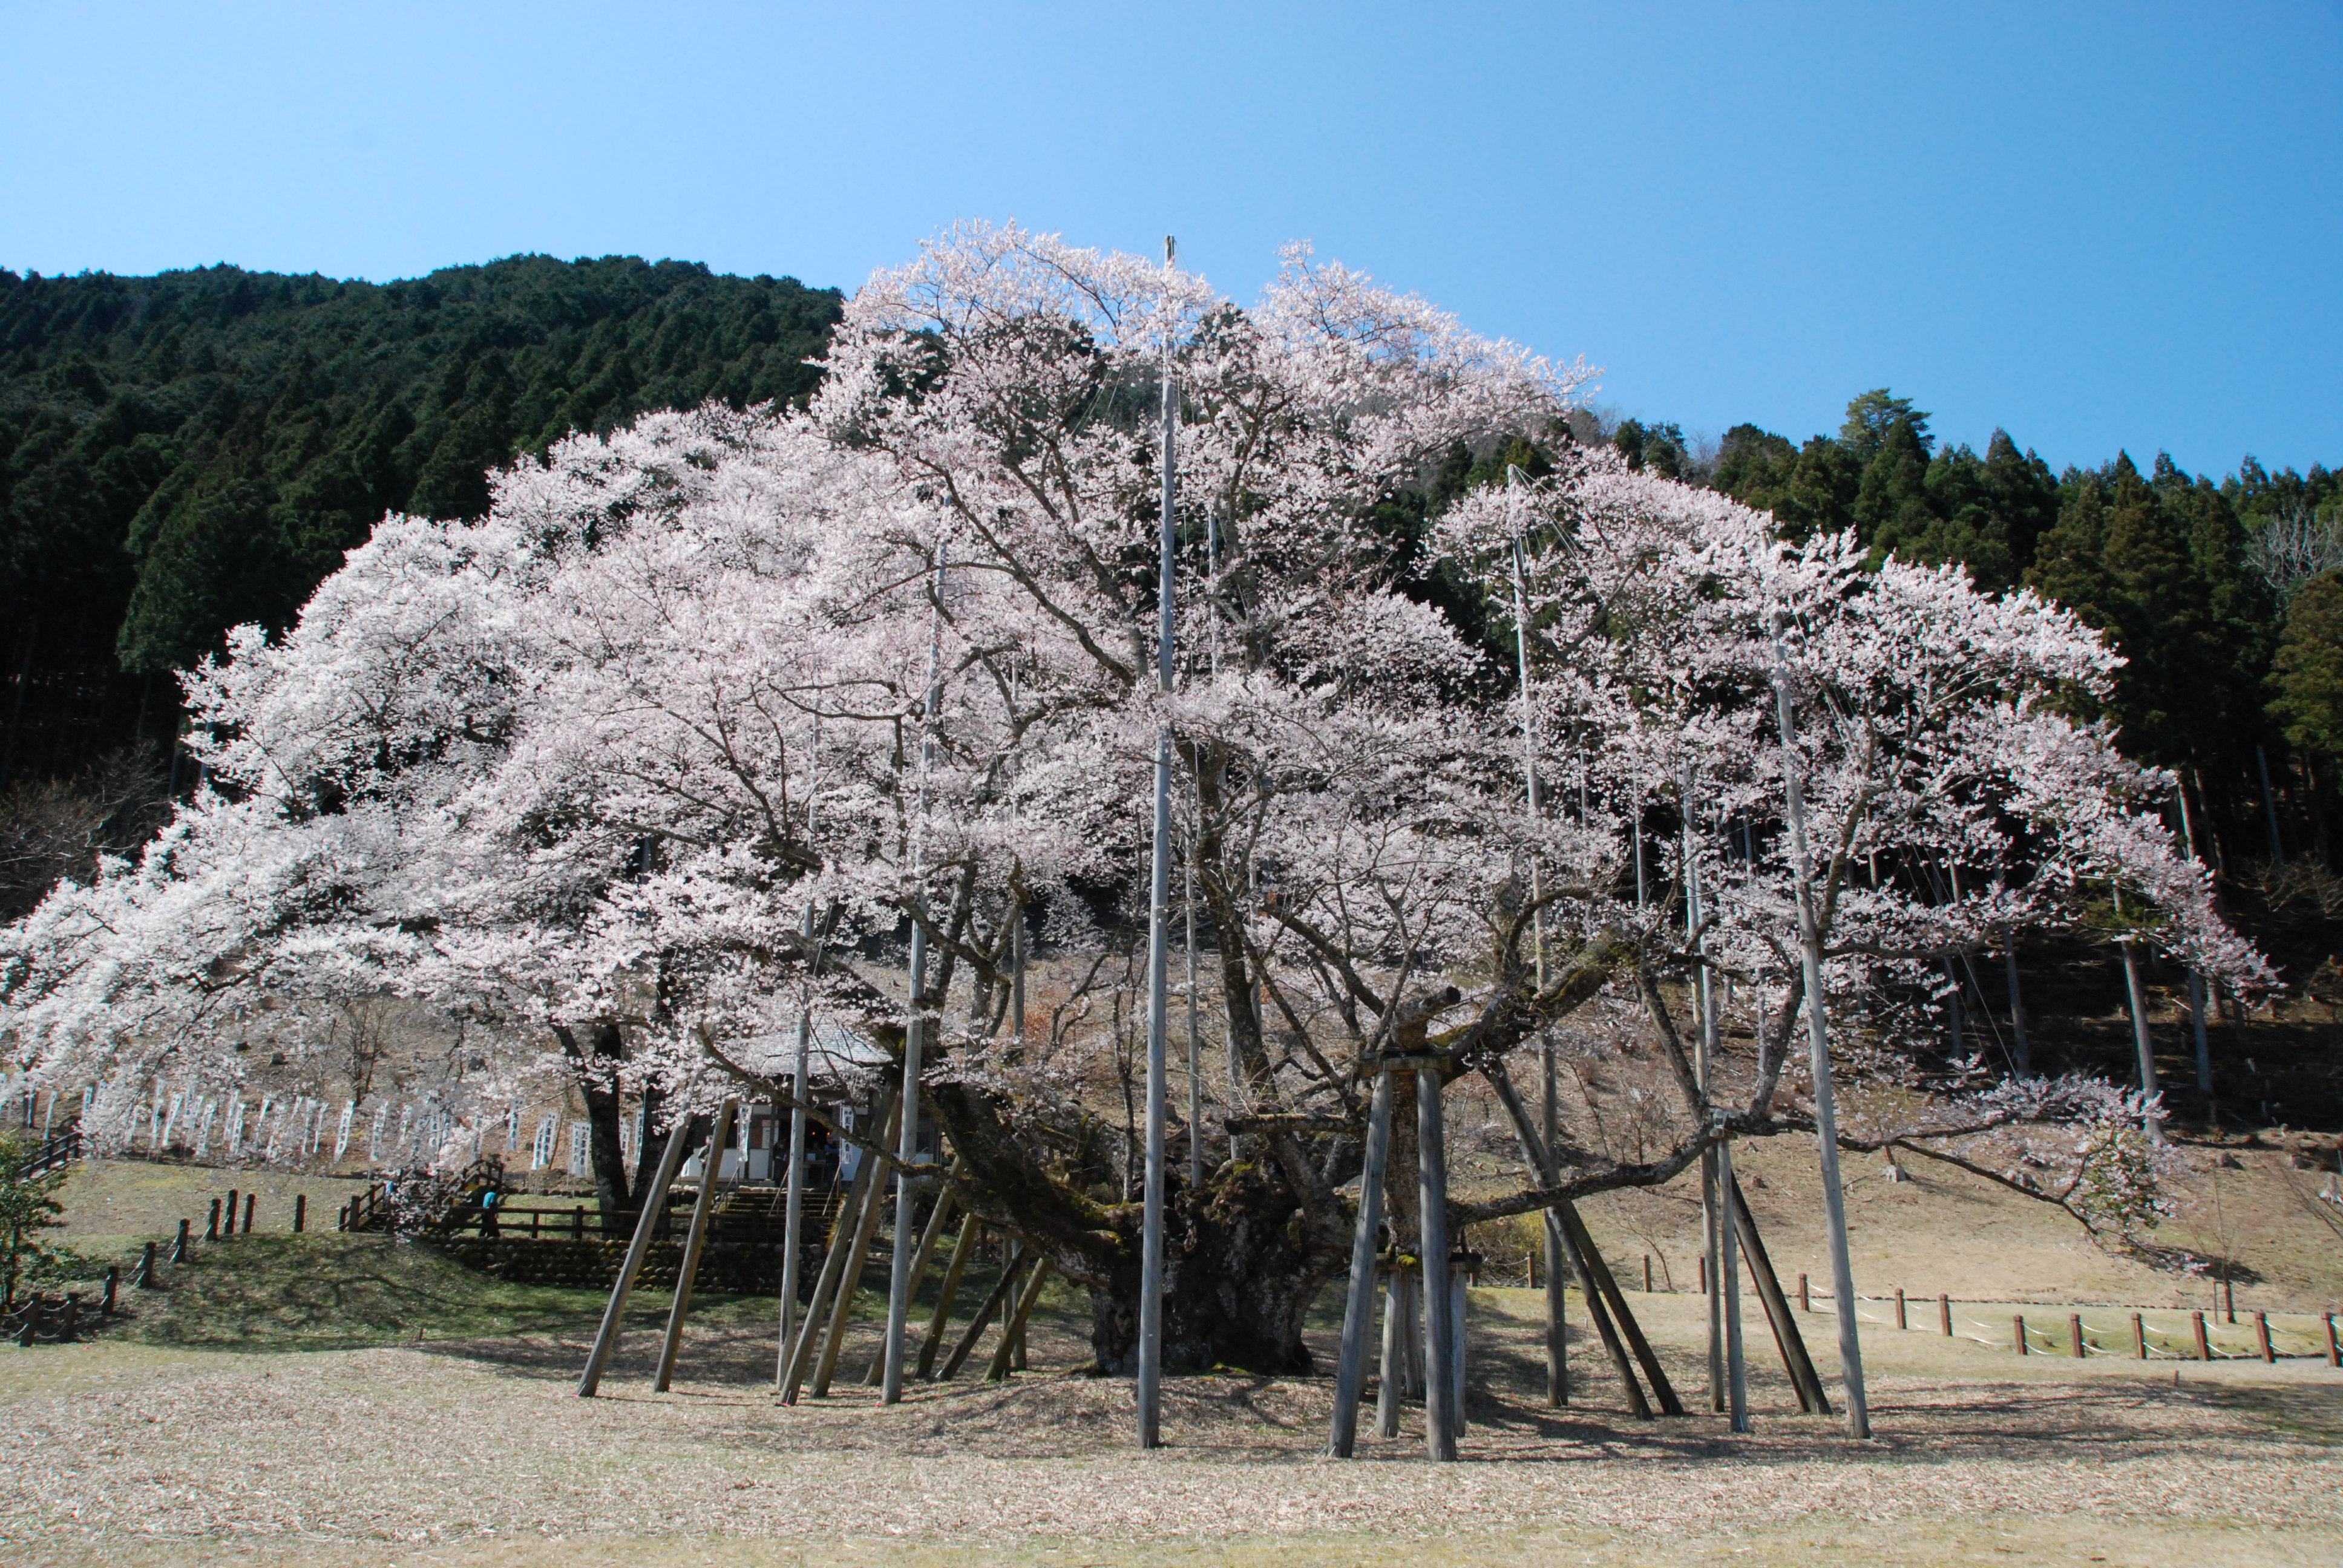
333	1291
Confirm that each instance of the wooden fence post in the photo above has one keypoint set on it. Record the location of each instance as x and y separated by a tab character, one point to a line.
2018	1327
144	1279
1647	1273
2138	1337
2074	1332
2261	1334
300	1212
2203	1346
180	1247
1945	1314
2334	1346
250	1199
1805	1305
1899	1309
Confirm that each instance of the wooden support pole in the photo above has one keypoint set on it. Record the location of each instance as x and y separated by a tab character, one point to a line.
300	1212
605	1338
695	1239
1901	1322
1607	1330
841	1303
1391	1382
1662	1389
984	1319
2204	1345
1805	1302
2018	1327
938	1217
799	1359
2334	1345
1012	1332
2261	1335
1945	1314
1432	1171
2138	1337
1787	1339
955	1267
1359	1301
2075	1333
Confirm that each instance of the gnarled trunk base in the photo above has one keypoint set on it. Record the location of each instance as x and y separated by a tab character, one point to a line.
1240	1271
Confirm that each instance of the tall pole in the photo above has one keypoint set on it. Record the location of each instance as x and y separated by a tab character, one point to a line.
1711	1228
793	1208
1442	1394
1196	1054
2141	1039
1158	940
1810	939
801	1082
907	1142
1359	1302
2196	981
1557	1362
2269	808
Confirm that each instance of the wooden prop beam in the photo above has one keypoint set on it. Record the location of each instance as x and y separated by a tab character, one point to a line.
857	1259
1359	1304
984	1319
1617	1302
696	1240
1439	1401
946	1295
1812	1399
605	1338
1012	1334
800	1358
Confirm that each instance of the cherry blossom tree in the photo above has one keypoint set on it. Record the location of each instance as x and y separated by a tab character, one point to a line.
594	768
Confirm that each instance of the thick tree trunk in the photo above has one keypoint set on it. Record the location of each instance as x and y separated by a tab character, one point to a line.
1239	1273
594	1060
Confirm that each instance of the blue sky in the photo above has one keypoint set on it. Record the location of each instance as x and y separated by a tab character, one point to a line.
2118	226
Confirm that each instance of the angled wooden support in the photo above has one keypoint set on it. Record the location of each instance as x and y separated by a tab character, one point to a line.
938	1217
605	1338
695	1240
798	1358
1812	1399
858	1257
1599	1314
1012	1332
984	1319
946	1295
1612	1297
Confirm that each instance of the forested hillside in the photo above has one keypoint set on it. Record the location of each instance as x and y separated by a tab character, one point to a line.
181	453
2223	594
184	452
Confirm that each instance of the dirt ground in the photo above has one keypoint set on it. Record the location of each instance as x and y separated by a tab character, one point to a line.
477	1452
277	1406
